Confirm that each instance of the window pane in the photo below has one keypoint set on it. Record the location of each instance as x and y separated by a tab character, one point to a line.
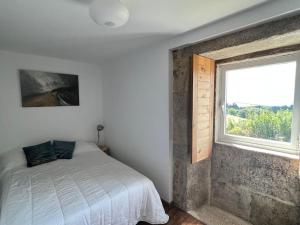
259	101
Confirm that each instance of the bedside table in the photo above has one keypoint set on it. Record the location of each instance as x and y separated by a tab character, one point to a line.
104	148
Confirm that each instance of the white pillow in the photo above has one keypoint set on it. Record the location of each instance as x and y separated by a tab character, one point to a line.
82	147
12	159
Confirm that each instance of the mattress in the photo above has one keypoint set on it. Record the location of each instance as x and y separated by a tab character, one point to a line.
90	189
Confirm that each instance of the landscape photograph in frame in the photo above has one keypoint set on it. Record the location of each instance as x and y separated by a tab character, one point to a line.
44	89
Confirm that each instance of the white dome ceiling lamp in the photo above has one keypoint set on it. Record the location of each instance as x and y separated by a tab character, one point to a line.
109	13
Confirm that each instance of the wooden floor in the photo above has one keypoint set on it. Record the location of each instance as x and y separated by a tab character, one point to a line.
178	217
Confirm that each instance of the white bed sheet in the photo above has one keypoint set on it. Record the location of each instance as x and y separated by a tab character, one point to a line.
90	189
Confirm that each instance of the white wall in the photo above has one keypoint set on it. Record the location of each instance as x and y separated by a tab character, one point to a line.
25	126
137	96
137	115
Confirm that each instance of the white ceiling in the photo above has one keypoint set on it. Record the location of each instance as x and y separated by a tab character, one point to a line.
63	28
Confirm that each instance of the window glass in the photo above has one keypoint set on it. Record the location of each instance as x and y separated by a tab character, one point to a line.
259	101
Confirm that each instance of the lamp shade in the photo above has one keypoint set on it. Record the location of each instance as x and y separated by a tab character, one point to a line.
109	13
100	127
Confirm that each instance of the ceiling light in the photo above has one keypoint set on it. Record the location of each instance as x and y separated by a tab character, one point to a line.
109	13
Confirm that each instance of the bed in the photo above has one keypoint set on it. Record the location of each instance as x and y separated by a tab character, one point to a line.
90	189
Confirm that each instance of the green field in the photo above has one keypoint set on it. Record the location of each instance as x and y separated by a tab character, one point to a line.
266	122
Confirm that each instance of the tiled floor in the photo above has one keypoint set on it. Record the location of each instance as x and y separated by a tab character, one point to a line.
208	214
215	216
178	217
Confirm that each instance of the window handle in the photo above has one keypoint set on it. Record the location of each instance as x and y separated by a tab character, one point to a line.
223	109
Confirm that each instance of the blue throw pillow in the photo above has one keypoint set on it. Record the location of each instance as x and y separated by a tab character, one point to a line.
39	154
64	149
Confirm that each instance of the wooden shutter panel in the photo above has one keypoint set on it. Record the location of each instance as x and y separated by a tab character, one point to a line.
203	106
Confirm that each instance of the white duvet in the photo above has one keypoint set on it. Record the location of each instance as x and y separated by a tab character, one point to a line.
90	189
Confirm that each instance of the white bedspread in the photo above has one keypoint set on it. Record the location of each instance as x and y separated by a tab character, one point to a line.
92	188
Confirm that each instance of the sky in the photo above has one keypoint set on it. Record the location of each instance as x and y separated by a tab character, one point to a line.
269	85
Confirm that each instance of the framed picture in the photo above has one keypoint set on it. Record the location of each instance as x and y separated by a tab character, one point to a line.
41	89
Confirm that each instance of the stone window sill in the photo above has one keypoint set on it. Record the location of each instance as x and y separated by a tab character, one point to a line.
261	150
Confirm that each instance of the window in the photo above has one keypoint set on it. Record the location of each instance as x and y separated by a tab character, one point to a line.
257	104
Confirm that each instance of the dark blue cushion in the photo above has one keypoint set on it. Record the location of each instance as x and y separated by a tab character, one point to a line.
64	149
39	154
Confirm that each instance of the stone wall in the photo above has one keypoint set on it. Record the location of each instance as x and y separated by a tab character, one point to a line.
191	181
260	188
